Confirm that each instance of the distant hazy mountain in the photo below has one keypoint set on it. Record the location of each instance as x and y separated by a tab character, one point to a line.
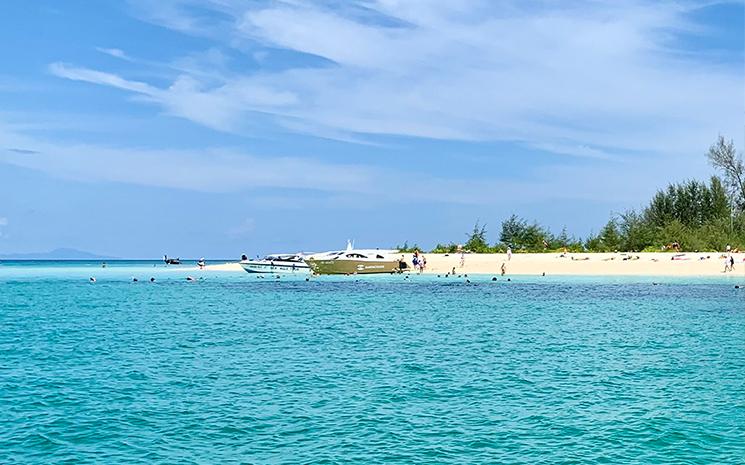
56	254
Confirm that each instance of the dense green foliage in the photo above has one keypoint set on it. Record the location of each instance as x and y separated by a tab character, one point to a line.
693	204
452	247
408	249
690	216
477	240
518	234
693	215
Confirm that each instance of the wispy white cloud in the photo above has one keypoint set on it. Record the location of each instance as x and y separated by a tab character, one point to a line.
220	107
574	150
286	182
207	171
114	52
99	77
587	78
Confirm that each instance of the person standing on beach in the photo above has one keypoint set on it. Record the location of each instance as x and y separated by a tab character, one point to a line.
462	259
504	268
729	260
509	253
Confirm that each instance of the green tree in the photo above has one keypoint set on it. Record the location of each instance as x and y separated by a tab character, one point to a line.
477	240
718	205
517	233
636	233
562	240
607	240
610	237
406	249
692	204
445	248
513	229
723	156
535	238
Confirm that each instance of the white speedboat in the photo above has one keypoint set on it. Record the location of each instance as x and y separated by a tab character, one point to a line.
276	263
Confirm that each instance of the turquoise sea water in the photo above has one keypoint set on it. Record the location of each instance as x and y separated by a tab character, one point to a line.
385	369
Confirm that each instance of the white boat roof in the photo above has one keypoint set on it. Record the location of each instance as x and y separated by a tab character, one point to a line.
284	255
352	250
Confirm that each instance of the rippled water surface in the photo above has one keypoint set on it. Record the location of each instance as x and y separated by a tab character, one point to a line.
235	369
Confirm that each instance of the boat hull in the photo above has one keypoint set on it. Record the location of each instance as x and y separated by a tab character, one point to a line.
352	266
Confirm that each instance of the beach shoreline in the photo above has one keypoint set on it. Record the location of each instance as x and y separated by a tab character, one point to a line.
570	264
586	264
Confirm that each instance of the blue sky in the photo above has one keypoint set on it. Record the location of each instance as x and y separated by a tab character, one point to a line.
216	127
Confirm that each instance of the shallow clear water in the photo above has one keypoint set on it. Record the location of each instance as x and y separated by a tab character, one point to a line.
236	369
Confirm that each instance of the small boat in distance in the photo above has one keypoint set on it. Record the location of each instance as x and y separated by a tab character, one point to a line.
356	261
276	263
171	261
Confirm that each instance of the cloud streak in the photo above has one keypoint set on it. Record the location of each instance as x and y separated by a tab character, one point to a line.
287	183
114	52
99	77
601	77
216	107
215	170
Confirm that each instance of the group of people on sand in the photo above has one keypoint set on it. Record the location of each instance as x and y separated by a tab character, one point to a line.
675	246
419	261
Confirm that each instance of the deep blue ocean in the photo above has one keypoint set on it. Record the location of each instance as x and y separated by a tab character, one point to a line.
235	369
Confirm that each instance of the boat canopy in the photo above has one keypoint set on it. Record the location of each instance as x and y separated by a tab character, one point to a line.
284	256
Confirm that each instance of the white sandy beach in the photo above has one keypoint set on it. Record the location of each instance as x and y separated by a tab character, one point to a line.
232	266
590	264
598	264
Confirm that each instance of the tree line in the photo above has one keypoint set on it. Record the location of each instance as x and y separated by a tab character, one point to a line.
688	216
